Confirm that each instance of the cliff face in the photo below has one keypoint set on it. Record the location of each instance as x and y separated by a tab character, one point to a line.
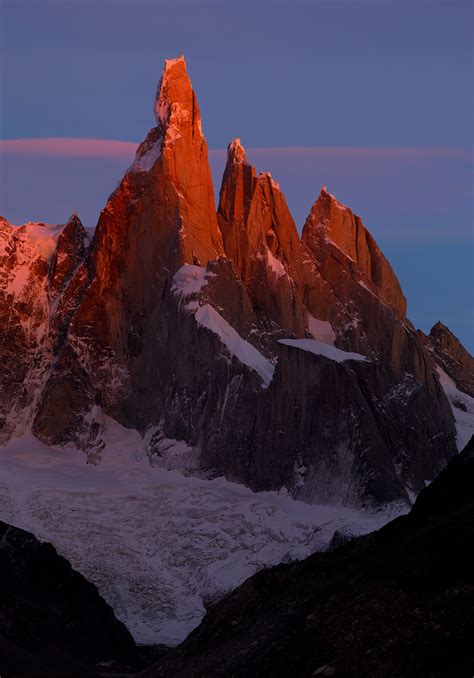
161	216
36	262
365	301
281	361
261	239
448	352
332	223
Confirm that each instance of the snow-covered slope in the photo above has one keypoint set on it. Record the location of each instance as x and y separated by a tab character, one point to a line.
324	349
462	405
156	543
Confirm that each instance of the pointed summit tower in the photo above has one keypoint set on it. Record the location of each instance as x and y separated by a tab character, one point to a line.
329	224
160	217
165	202
260	237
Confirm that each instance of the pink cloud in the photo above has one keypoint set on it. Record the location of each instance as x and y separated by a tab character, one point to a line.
79	148
409	193
116	149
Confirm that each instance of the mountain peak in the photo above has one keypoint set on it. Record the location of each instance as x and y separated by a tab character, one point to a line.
451	355
266	177
171	63
176	108
236	152
330	223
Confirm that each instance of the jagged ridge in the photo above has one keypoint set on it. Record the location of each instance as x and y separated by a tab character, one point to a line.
170	320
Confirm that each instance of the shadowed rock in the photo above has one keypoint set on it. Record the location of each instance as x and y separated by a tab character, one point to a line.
397	602
52	620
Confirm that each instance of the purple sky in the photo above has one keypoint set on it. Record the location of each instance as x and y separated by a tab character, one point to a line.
373	98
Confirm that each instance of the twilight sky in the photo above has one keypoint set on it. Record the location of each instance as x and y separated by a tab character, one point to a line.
372	97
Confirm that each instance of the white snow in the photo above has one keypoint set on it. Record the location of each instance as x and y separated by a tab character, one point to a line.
208	317
190	280
321	330
275	265
187	284
320	348
38	240
43	236
158	544
459	400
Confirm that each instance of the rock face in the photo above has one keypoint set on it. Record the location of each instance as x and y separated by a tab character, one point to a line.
52	621
161	216
397	602
448	352
331	223
172	320
36	263
261	240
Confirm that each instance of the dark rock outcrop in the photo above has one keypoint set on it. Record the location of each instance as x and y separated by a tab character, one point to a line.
397	602
69	253
52	620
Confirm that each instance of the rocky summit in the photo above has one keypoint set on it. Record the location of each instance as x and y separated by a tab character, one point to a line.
279	361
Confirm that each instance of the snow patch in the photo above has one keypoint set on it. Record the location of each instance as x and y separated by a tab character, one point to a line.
35	240
321	330
462	405
208	317
275	265
320	348
44	237
189	280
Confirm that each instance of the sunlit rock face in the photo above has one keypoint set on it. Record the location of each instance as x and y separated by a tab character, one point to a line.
161	216
365	300
171	321
36	263
261	239
451	356
332	222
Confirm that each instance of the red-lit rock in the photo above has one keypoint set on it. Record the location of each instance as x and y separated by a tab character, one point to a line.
331	222
169	322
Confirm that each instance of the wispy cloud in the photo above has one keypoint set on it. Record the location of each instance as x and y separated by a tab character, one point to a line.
416	201
76	148
401	193
109	148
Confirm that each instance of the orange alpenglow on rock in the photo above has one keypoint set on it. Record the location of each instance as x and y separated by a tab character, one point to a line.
185	163
332	222
261	239
170	322
166	199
